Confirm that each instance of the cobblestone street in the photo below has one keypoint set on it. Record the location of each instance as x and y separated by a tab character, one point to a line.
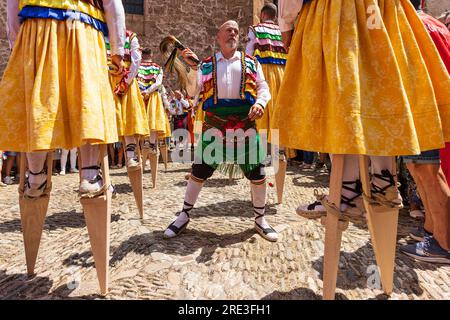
218	257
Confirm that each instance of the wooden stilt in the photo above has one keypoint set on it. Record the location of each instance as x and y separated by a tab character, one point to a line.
135	176
280	177
32	213
333	231
382	223
165	155
154	167
97	212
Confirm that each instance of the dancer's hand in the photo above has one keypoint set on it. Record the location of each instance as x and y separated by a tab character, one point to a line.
116	62
287	38
256	112
189	56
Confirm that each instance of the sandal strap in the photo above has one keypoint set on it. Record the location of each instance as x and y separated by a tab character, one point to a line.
91	168
187	210
131	147
313	206
357	191
385	176
44	171
176	229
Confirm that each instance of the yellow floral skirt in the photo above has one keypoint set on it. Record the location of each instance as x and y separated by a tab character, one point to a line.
358	83
55	91
274	75
130	110
157	117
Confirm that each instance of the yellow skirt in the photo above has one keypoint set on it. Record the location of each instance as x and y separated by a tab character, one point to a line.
55	91
274	76
157	117
130	110
353	86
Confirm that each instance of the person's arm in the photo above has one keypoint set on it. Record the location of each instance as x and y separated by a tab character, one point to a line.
263	96
13	22
194	77
136	58
287	13
250	48
194	84
115	19
184	103
157	84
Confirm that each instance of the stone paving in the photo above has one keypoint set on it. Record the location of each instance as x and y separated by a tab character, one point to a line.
218	257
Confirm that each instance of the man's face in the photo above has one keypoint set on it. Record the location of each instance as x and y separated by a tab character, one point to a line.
228	35
178	95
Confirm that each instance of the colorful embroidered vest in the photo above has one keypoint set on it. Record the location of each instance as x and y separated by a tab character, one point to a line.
269	48
127	53
88	11
147	74
248	91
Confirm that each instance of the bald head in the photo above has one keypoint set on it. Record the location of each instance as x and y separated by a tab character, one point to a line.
228	35
227	24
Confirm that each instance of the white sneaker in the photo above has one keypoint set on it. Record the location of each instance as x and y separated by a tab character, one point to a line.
267	233
8	180
62	173
417	214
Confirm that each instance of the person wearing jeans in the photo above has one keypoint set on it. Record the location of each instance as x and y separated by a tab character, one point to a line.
435	193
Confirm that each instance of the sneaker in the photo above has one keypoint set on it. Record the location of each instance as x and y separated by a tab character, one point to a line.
8	180
75	170
428	250
320	165
418	234
417	214
267	233
62	173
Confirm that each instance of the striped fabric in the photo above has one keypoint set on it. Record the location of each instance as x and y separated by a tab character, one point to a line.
269	48
248	91
61	9
147	74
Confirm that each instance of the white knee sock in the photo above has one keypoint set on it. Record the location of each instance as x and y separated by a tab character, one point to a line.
259	203
89	157
64	154
73	158
190	198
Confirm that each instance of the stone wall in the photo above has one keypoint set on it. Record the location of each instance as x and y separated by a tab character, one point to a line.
437	7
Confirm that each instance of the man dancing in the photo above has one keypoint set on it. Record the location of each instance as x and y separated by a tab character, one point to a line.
233	93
